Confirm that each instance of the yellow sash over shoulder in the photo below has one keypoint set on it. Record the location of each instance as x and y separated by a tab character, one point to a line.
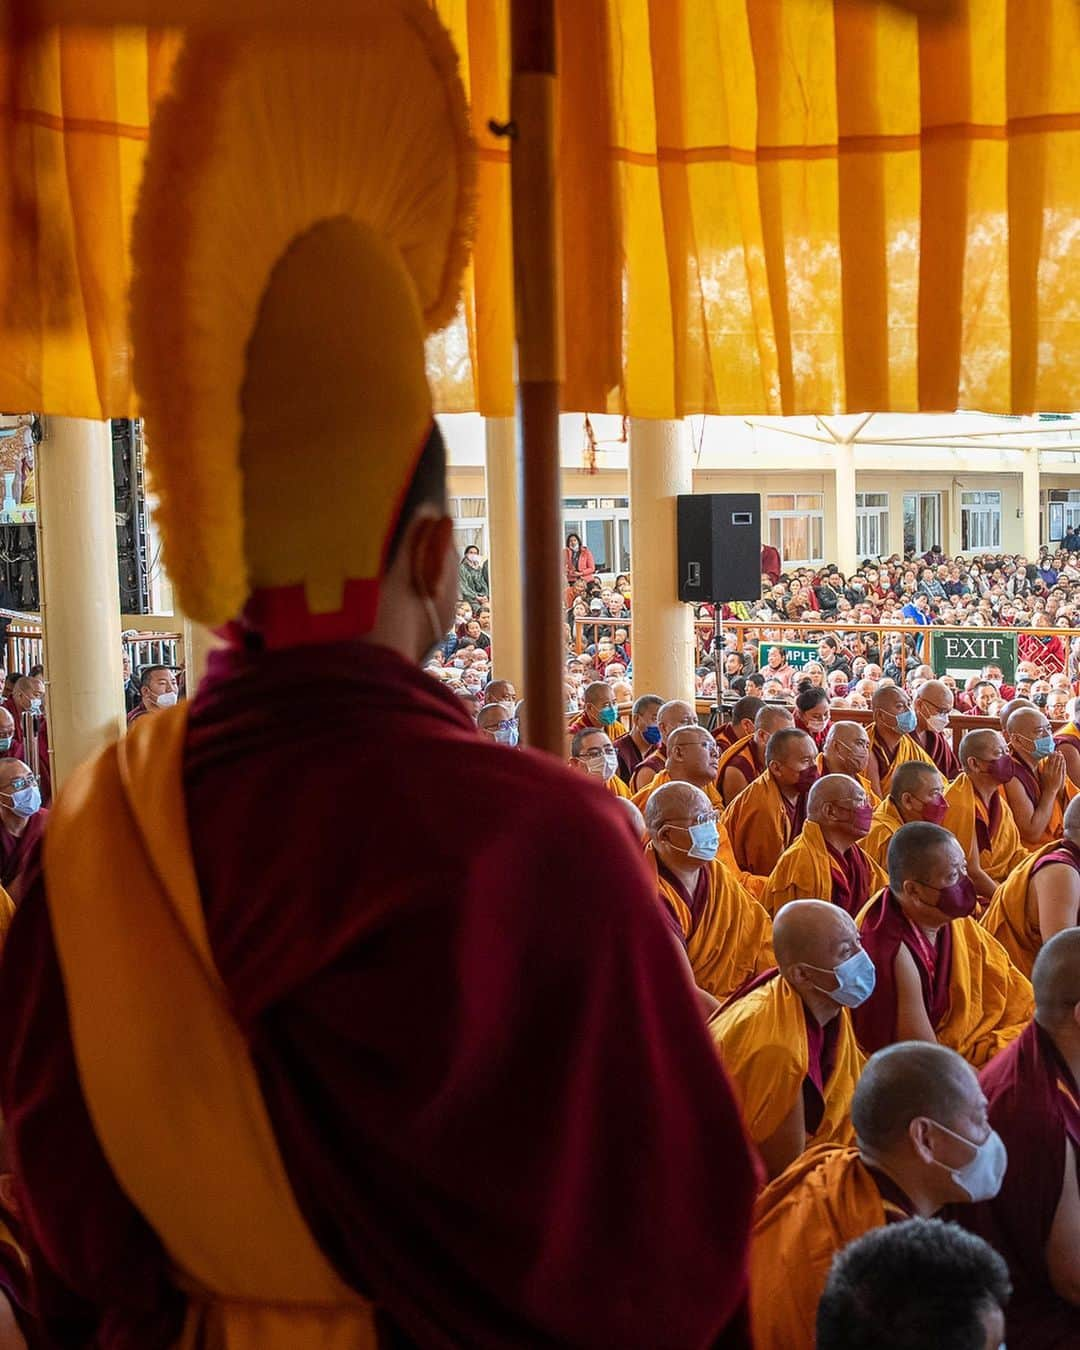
804	872
762	1042
1006	850
165	1071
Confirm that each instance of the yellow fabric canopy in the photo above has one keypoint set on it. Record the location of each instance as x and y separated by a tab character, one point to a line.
771	208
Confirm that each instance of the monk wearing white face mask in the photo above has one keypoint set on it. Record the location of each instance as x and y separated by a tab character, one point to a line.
158	690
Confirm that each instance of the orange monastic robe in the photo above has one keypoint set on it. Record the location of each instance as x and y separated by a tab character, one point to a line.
992	828
640	798
759	825
886	822
745	750
860	778
1029	780
805	872
824	1200
763	1045
617	787
905	751
1013	915
729	940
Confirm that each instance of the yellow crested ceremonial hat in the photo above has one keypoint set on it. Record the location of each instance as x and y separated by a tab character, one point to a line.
302	226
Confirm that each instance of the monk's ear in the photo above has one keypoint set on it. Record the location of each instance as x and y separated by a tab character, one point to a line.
430	545
919	1134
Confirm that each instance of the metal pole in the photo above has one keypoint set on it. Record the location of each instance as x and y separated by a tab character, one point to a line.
537	291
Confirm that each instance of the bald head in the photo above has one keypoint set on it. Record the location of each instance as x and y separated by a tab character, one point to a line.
1056	981
1013	705
674	804
980	746
914	850
492	715
598	694
934	699
847	748
787	744
914	779
807	932
675	713
834	789
500	691
7	723
693	755
770	719
888	702
906	1082
1071	825
1026	723
633	816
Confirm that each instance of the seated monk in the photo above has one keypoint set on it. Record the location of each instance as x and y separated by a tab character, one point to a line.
501	691
1033	1088
7	732
812	714
1007	710
599	709
726	934
940	975
786	1039
979	813
22	819
692	758
1067	740
847	750
675	713
744	761
743	714
1039	898
642	738
766	816
917	792
634	818
891	743
591	751
1039	789
919	1117
497	722
932	705
825	862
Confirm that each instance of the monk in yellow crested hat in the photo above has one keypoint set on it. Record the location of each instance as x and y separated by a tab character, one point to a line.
285	1052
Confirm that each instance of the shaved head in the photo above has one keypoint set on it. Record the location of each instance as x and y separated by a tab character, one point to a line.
1071	825
786	744
675	713
674	803
634	818
806	931
911	777
491	714
935	692
500	691
905	1082
598	693
982	744
1026	720
850	735
1011	707
1056	979
911	848
771	719
746	709
834	788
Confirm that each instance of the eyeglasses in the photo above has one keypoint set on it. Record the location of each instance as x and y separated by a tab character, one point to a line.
17	784
598	753
509	725
705	818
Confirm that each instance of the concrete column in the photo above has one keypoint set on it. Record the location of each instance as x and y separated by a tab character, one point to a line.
663	636
80	590
1029	498
844	508
504	541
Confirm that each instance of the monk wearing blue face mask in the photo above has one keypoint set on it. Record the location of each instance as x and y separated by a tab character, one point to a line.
22	818
891	741
600	710
1039	790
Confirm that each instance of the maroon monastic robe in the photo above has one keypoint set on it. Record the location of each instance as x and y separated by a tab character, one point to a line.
884	931
938	745
498	1107
1035	1107
15	849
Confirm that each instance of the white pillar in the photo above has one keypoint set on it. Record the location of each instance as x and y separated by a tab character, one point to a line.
1030	503
199	642
504	542
663	634
80	590
844	507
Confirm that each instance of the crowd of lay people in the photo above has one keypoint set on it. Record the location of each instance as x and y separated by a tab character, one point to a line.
881	924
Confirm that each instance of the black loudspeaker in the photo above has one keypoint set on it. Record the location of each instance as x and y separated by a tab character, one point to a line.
719	547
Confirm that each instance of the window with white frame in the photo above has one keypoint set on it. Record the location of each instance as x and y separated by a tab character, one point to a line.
603	526
470	523
871	524
980	521
1070	507
796	526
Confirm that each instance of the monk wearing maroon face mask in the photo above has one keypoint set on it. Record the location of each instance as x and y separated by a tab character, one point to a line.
766	816
940	975
979	814
917	793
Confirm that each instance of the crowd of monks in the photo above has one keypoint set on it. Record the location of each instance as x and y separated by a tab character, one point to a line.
883	933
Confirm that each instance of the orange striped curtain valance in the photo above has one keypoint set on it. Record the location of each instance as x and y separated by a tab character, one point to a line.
768	206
